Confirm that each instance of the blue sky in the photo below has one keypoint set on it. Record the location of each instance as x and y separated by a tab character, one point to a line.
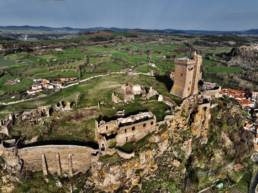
151	14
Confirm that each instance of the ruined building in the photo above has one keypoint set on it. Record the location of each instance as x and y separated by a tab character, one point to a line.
187	76
124	130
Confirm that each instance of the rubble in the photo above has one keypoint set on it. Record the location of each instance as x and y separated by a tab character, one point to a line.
33	116
116	99
151	93
129	92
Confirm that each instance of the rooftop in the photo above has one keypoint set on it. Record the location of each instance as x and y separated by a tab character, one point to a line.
135	118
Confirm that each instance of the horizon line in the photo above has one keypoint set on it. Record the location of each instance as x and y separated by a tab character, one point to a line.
129	28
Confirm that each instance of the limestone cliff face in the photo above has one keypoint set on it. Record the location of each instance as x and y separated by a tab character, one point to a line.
199	145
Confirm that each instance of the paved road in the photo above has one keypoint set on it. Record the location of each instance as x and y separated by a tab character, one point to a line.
71	85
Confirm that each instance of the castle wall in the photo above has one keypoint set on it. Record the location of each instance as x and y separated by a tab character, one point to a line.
197	73
186	77
56	159
123	130
183	79
108	127
135	132
214	93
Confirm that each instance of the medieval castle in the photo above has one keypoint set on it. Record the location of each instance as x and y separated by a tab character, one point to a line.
187	76
72	159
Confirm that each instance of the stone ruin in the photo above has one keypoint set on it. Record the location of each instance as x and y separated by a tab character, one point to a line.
62	160
69	160
211	90
33	116
128	92
124	130
6	124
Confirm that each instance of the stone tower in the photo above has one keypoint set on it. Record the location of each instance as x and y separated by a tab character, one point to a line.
187	76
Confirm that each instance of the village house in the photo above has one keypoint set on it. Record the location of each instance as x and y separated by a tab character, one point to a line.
240	96
124	130
39	85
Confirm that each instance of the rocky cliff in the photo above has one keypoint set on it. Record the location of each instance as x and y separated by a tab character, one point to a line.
201	146
244	56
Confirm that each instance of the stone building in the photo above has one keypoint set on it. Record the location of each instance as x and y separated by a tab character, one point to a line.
187	76
124	130
211	90
129	91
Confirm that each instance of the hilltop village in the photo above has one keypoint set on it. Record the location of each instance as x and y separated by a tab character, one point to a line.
115	135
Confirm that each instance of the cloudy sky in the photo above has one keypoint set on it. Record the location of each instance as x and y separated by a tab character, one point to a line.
151	14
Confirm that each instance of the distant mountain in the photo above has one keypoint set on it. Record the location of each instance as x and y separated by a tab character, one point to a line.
70	30
38	29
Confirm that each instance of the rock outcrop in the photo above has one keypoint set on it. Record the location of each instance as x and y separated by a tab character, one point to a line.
244	56
197	146
200	144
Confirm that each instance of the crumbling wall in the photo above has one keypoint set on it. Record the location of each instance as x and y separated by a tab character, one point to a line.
51	159
124	130
33	116
212	93
129	92
135	132
108	127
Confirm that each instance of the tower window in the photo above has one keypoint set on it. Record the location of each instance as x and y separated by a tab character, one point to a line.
133	128
144	125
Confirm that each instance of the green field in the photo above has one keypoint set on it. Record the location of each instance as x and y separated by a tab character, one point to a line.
99	59
103	58
87	94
